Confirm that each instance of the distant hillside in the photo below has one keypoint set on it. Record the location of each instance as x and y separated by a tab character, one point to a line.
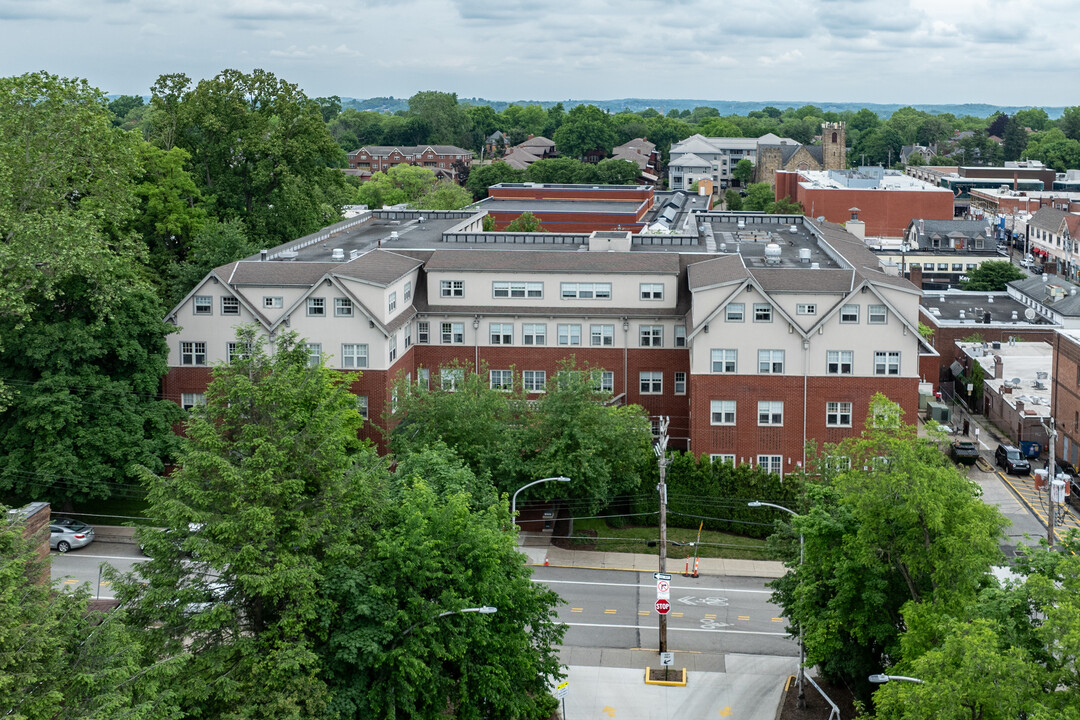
726	107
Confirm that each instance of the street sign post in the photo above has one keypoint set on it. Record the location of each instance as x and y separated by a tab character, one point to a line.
662	606
667	659
662	576
663	589
562	689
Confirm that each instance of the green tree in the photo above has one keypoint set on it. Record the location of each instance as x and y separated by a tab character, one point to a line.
719	127
1053	149
329	107
483	177
259	148
1035	118
271	494
400	184
438	552
1016	139
784	206
864	120
743	171
525	222
586	128
613	171
447	119
121	106
217	243
445	195
170	205
58	658
733	200
887	522
992	276
758	197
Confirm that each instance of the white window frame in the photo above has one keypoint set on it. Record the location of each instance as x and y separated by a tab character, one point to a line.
723	412
651	335
571	332
651	291
362	406
651	382
275	302
837	414
534	334
722	457
679	382
770	362
887	362
233	351
849	314
191	400
680	336
877	314
806	309
203	305
354	355
451	288
391	302
722	358
585	291
423	378
735	312
452	333
517	289
316	307
314	351
230	306
501	380
534	381
408	290
602	335
194	355
603	381
423	332
343	307
501	333
451	378
763	312
771	464
391	343
770	413
838	359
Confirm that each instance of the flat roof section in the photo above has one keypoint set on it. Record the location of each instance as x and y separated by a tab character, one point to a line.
799	249
605	207
970	308
373	233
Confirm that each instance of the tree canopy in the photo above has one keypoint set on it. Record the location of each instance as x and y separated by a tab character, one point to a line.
992	276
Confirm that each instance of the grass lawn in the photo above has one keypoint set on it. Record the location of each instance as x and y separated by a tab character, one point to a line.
595	534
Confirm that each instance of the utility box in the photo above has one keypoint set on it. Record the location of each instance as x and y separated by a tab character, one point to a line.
939	412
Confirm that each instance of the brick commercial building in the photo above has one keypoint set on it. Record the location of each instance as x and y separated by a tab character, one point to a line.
439	158
754	336
884	200
571	208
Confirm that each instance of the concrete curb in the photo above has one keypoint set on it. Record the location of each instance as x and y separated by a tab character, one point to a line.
633	562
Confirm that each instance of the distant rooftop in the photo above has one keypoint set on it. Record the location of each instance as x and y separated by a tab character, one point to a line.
960	307
865	178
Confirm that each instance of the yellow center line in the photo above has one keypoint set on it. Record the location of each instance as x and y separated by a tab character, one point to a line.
744	617
642	612
575	610
676	614
710	616
609	612
778	619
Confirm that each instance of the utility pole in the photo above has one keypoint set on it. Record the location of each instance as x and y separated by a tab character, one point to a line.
661	454
1051	477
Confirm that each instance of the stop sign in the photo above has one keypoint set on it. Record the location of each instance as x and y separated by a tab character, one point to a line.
662	606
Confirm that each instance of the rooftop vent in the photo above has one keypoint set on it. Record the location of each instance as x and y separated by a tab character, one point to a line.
338	254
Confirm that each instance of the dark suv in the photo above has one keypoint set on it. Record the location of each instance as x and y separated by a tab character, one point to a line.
1009	458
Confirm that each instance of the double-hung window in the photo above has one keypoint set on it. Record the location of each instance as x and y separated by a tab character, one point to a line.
190	400
603	380
392	344
343	307
534	334
849	314
651	335
724	360
204	305
451	288
316	307
391	303
502	333
877	315
770	362
585	291
534	380
502	379
770	413
771	463
722	412
838	414
230	305
451	378
680	336
314	351
762	312
839	362
601	335
652	383
735	312
453	333
569	334
652	291
408	290
354	355
237	351
517	289
680	383
192	353
362	406
423	332
887	362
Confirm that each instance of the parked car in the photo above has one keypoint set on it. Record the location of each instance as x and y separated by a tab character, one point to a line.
964	452
67	534
1011	460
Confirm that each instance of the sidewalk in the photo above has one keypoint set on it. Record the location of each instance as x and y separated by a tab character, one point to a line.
637	562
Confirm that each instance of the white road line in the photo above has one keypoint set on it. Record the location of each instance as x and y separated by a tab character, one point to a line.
679	629
105	557
651	585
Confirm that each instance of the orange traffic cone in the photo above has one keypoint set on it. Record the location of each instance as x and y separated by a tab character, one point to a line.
686	572
545	562
695	566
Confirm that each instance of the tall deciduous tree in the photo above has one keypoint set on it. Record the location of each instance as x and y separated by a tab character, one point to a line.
448	122
992	276
743	171
259	148
586	128
271	491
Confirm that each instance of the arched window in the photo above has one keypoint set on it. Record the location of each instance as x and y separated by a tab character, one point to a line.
834	137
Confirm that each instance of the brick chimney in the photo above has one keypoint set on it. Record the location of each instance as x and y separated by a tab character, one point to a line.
999	367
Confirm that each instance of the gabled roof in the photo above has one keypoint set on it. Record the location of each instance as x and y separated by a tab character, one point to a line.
694	144
377	267
689	160
1048	219
717	271
539	142
804	280
640	146
519	158
637	158
273	272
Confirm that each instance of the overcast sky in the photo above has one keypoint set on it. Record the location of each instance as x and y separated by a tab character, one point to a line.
1004	52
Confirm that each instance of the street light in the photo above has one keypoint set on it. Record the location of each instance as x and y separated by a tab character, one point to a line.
802	548
886	678
513	500
483	610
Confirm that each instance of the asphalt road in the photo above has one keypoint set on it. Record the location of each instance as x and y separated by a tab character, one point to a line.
77	567
616	609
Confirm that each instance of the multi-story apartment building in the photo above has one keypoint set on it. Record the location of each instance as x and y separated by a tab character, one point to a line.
755	336
439	158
